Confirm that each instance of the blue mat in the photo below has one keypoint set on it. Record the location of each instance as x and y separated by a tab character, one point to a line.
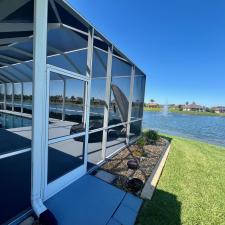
91	201
88	201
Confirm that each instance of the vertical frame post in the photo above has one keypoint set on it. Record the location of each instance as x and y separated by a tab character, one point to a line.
88	91
4	96
64	99
21	103
13	91
89	66
107	100
39	136
143	100
130	103
84	97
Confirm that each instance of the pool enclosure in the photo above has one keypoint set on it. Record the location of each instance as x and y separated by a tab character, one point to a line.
69	99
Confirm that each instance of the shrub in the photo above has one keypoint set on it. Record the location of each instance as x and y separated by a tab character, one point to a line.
151	136
141	142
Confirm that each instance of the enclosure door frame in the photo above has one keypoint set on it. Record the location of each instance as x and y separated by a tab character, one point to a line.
57	185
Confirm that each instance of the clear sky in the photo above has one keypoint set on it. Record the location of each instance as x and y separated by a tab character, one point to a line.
180	44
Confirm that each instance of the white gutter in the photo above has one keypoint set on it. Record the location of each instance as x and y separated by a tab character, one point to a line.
39	104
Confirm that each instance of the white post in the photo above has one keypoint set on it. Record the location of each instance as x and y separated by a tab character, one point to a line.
130	104
13	91
39	136
107	100
86	98
4	96
64	99
21	106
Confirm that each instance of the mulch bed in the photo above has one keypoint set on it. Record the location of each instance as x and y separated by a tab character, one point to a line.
147	158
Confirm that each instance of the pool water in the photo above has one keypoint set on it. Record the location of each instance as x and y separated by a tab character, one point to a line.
8	121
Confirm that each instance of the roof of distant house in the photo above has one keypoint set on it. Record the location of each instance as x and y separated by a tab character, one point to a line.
193	106
153	103
218	108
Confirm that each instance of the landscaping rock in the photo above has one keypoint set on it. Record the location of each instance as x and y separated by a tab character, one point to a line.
118	164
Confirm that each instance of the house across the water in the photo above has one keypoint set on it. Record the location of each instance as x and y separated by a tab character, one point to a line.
219	109
193	107
153	105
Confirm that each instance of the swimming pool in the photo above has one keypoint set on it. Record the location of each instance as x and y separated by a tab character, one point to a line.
8	121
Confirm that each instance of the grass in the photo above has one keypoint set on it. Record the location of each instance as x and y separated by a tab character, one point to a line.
153	109
191	189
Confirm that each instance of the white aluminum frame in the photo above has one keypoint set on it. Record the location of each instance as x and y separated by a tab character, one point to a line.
6	155
57	185
22	92
4	96
39	105
64	99
107	100
13	92
130	103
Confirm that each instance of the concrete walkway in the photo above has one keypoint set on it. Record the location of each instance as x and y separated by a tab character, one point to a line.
91	201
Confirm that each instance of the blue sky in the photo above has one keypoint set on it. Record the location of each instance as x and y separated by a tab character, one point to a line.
180	44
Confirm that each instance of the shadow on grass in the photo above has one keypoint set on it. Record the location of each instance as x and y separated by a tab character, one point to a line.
163	209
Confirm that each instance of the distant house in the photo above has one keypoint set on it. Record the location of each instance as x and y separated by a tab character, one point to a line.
193	107
219	109
153	105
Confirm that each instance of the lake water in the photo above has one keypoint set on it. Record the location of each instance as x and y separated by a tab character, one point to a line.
210	129
205	128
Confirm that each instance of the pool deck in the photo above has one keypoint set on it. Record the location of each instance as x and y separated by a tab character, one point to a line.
15	165
59	128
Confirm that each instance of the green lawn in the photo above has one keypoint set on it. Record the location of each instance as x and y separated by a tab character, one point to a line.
153	109
191	189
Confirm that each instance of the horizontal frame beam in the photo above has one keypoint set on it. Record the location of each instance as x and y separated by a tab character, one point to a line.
67	73
19	27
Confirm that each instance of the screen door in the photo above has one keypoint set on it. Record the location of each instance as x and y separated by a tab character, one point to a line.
67	113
